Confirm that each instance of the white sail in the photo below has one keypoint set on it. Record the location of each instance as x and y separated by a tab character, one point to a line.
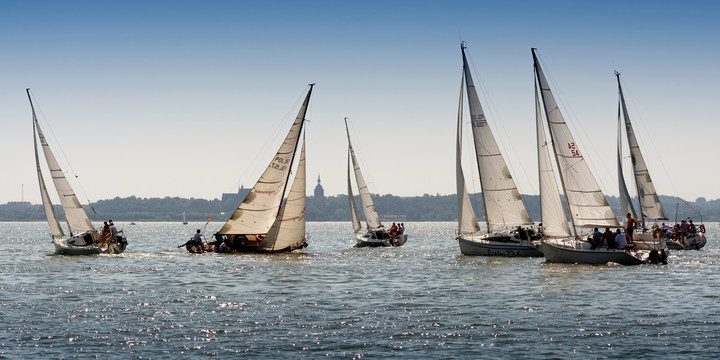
289	226
586	202
55	228
649	202
551	210
353	209
371	216
502	201
75	215
257	212
467	221
626	205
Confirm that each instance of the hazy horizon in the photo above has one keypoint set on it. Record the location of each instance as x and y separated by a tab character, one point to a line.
192	99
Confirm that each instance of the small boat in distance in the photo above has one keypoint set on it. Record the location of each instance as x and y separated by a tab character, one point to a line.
184	221
83	238
376	234
263	222
503	204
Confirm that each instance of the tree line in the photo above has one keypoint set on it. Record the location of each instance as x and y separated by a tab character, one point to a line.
331	208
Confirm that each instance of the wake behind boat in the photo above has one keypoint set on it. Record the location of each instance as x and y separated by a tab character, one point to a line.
263	222
502	201
376	234
83	239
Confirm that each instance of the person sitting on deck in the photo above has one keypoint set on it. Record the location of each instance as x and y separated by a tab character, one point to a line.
401	228
609	238
595	239
105	233
393	230
621	239
691	227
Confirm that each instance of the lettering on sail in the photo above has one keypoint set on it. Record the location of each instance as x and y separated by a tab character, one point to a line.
280	163
295	218
478	120
573	149
273	191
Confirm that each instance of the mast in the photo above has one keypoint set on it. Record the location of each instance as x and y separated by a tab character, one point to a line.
626	205
467	221
650	205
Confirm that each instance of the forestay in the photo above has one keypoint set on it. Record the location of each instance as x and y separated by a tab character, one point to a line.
649	202
256	214
467	221
552	214
586	202
503	204
371	216
289	226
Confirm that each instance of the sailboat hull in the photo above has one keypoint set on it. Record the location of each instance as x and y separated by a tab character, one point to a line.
76	245
573	251
497	246
695	241
369	240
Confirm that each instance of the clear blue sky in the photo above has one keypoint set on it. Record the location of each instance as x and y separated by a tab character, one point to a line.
191	98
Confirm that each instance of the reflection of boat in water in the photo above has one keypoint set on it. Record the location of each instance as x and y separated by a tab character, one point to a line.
587	205
262	222
83	239
503	205
376	234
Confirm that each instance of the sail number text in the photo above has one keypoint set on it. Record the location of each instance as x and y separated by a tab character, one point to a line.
280	163
478	120
573	149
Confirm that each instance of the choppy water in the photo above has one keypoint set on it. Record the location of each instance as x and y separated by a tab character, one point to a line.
423	300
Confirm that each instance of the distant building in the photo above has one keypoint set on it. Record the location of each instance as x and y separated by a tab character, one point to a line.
18	205
319	191
231	201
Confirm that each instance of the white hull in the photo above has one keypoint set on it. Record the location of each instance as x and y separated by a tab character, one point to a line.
695	241
369	239
574	251
76	246
494	245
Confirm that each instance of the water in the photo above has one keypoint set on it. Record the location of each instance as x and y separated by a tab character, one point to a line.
423	300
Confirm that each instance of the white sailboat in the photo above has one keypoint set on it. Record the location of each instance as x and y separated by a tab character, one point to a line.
650	206
83	238
262	222
504	207
375	234
184	221
587	205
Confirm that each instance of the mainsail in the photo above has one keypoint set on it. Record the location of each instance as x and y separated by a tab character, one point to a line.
353	209
75	215
551	210
289	226
501	198
371	216
649	202
257	213
586	202
467	222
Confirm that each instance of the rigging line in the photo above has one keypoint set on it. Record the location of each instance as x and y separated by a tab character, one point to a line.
571	118
56	144
499	124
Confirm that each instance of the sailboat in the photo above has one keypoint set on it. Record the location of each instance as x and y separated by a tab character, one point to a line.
83	238
184	221
650	206
587	205
262	222
375	234
503	205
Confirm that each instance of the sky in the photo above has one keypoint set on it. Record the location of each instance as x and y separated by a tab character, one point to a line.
193	98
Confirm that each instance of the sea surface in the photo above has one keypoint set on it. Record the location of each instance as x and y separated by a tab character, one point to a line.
423	300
